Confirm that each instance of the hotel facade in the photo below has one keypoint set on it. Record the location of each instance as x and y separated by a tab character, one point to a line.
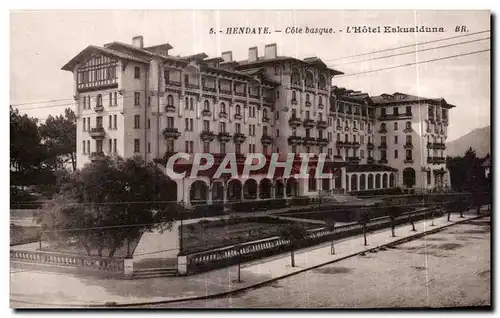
134	100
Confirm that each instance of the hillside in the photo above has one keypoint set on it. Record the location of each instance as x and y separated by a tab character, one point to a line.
478	139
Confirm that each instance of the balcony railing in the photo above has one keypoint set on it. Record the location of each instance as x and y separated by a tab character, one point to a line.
206	112
383	131
223	137
382	145
341	143
322	124
370	146
409	160
320	106
266	140
294	121
226	91
353	160
265	119
408	145
436	160
439	145
207	135
96	155
192	86
173	83
322	141
97	132
308	104
383	161
237	116
222	115
294	140
408	130
294	102
170	108
370	160
171	133
308	123
239	138
99	108
310	141
242	94
209	89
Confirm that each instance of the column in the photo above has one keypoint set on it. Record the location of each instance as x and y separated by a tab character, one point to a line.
224	192
242	192
273	191
209	195
258	192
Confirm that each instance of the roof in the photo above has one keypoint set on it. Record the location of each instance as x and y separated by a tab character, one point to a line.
159	47
262	60
405	98
91	49
369	168
193	57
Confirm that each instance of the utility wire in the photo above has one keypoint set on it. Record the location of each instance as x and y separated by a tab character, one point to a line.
415	63
416	51
406	46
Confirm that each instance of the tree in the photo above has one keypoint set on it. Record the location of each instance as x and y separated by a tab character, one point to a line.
59	136
293	232
115	200
330	226
393	212
363	218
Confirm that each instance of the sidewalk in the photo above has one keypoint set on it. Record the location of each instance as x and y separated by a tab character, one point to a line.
31	288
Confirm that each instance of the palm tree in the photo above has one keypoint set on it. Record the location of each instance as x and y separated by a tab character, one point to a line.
293	232
330	226
363	218
393	212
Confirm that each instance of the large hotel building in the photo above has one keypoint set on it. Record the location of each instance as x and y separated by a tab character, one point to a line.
134	100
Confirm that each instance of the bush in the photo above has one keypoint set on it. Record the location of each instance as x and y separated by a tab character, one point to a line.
251	206
300	201
206	210
390	191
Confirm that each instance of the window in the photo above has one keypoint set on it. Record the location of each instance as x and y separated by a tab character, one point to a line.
294	96
191	103
166	76
408	125
222	107
277	132
110	121
237	148
294	113
114	145
362	125
251	148
170	145
99	100
88	123
149	147
308	114
383	154
148	124
428	177
116	99
114	121
395	111
307	98
189	146
265	150
186	102
382	111
330	152
222	127
395	126
294	149
361	139
238	110
346	123
294	132
137	145
206	105
308	133
354	138
383	139
110	145
137	98
237	127
98	122
338	122
320	100
408	154
408	139
83	146
354	124
277	115
170	122
264	113
308	149
137	121
84	102
88	146
395	140
137	72
84	122
206	125
190	124
149	101
330	136
362	153
98	145
186	79
369	127
264	131
222	148
110	99
408	110
395	154
206	147
346	137
320	116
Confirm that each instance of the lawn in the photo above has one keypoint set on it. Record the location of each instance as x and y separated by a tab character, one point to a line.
23	234
205	235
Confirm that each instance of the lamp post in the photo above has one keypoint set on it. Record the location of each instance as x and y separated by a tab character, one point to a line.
181	235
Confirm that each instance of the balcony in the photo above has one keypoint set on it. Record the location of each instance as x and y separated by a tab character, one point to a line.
209	89
242	94
430	145
294	140
339	127
237	116
239	138
445	121
173	83
322	124
206	113
171	133
408	145
408	130
353	160
310	141
97	155
99	108
355	144
223	137
170	108
432	119
207	135
266	140
294	102
294	122
340	143
308	104
222	115
383	161
370	160
346	128
321	106
383	145
436	160
192	86
225	91
408	160
308	123
383	131
253	95
322	142
338	158
396	116
370	146
265	119
97	133
439	145
354	129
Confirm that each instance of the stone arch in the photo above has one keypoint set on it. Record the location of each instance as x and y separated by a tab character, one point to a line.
292	187
170	100
383	126
234	187
309	79
384	180
409	177
354	182
265	186
198	192
217	191
296	76
250	189
392	180
377	181
322	81
370	182
362	182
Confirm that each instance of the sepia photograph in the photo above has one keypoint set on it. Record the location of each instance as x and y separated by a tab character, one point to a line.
250	159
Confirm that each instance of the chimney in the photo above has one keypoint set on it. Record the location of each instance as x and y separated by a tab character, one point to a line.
270	51
227	56
138	41
253	54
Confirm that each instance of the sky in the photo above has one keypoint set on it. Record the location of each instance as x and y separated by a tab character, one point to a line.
43	41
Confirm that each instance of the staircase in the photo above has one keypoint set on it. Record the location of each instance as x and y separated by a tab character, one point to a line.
154	272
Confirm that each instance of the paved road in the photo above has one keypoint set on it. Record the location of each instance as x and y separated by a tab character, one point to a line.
446	269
